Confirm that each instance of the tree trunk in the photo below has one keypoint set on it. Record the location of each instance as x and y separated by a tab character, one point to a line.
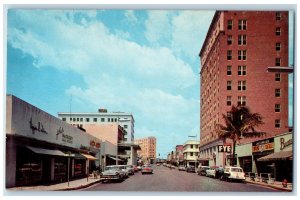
233	153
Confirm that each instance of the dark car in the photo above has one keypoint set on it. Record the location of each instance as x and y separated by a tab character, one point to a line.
202	170
190	169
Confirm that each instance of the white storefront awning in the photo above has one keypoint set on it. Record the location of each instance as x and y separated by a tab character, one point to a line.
46	151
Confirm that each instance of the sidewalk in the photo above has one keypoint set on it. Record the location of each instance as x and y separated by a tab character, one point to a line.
73	185
83	183
276	185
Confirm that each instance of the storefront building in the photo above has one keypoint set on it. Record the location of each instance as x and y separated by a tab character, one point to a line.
271	155
41	148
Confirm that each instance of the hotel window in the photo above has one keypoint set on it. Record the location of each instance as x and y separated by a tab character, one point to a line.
278	62
277	92
278	16
108	119
241	85
278	31
277	77
102	119
241	70
229	83
242	54
78	119
87	119
277	107
229	55
95	119
229	70
242	40
241	100
277	123
116	119
81	119
74	119
242	24
192	146
228	100
70	118
229	24
278	46
125	126
191	154
229	39
64	119
229	115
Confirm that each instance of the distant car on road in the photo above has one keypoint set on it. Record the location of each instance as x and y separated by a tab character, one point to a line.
190	169
135	168
181	168
211	172
233	173
130	169
147	169
202	170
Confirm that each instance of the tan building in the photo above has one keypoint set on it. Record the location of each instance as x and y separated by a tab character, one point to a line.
148	148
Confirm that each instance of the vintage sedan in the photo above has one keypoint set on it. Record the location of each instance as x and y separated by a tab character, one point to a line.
202	170
147	169
112	173
234	173
190	169
211	172
181	168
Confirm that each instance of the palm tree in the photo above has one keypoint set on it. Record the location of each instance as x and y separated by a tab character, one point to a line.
239	123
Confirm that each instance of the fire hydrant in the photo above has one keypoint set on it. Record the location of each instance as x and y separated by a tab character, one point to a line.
284	183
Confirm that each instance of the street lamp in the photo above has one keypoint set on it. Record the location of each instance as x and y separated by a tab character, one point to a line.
69	154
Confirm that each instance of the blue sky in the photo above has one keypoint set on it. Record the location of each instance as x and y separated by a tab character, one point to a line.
137	61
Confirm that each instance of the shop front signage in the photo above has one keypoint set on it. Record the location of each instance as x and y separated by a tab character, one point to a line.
94	144
224	148
263	145
284	144
39	127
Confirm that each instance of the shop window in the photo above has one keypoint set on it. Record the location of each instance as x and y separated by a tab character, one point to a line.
60	169
79	166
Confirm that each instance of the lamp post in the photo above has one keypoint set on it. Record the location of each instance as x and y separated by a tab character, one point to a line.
69	154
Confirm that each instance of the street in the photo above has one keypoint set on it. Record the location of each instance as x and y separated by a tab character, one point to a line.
165	180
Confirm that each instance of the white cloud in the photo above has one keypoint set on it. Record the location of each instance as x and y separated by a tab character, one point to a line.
119	74
130	16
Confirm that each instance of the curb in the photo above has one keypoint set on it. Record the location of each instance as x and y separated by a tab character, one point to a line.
79	187
271	186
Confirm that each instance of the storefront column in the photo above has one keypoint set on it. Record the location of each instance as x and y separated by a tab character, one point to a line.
87	167
72	167
52	163
254	169
11	159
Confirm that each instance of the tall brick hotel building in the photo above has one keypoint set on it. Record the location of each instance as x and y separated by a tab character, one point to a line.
238	49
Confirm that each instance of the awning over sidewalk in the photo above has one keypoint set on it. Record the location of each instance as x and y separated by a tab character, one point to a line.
282	155
89	157
46	151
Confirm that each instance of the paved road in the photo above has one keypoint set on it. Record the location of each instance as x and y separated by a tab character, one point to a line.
166	180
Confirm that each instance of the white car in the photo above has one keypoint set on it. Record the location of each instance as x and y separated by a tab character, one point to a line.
211	171
111	173
234	173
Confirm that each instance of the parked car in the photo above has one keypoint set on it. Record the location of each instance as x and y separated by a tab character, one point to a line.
130	169
139	168
233	173
124	170
147	169
112	173
202	170
211	172
135	168
190	169
181	168
157	164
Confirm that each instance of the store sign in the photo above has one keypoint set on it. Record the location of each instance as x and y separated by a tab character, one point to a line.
39	127
67	138
94	144
264	145
284	144
224	148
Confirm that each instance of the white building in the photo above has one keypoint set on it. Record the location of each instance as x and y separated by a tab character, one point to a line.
190	153
125	120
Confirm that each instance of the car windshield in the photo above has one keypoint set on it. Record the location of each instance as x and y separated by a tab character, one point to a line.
111	168
236	170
